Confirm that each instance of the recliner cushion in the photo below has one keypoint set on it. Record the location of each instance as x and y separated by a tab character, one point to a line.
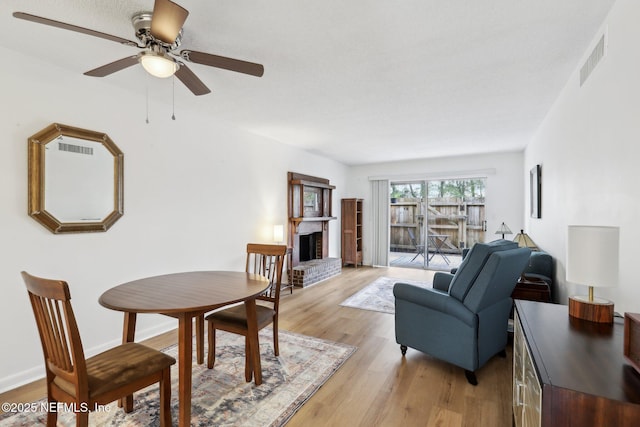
497	278
472	265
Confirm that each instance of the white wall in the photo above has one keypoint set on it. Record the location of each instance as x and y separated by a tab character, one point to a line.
588	148
196	191
504	197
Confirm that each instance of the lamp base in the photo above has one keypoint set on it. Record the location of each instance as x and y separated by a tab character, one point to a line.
598	310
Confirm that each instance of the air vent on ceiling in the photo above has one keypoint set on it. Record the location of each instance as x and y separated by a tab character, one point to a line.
596	56
75	148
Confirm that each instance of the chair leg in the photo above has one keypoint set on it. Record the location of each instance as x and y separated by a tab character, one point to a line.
82	419
403	349
211	354
165	398
471	377
52	416
127	403
248	368
276	348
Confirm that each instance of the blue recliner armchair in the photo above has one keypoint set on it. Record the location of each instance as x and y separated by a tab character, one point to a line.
463	319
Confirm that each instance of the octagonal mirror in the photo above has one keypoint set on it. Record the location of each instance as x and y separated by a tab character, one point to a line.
75	179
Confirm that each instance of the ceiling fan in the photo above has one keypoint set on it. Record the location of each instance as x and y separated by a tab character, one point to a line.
159	34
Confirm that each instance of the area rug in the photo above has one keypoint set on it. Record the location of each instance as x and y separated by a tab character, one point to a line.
378	295
220	396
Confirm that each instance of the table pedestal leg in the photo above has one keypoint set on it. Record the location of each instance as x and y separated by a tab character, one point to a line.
185	336
253	345
200	339
128	335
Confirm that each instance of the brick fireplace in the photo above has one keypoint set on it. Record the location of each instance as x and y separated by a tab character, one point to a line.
310	246
309	217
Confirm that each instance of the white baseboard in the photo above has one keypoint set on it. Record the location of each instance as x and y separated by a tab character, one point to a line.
21	378
36	373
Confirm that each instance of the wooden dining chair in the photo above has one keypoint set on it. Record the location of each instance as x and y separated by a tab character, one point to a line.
98	380
266	260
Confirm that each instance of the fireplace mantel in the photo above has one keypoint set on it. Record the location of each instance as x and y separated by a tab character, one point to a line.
310	204
295	222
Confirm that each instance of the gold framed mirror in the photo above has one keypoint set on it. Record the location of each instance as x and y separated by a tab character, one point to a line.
75	179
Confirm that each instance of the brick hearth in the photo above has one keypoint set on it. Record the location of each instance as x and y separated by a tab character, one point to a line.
309	272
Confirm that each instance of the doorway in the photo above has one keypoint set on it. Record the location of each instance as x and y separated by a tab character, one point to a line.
432	221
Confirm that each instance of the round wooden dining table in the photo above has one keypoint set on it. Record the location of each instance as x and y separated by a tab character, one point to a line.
187	296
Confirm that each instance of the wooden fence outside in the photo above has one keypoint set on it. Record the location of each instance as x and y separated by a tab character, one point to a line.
460	224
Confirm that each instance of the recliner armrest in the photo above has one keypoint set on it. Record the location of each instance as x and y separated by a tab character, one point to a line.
540	265
441	281
435	300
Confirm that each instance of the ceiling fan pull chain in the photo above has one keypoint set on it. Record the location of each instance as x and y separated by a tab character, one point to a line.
173	97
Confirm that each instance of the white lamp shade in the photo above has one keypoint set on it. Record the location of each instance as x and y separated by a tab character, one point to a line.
278	233
592	255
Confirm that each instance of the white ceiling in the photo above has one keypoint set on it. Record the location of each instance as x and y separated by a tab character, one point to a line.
357	81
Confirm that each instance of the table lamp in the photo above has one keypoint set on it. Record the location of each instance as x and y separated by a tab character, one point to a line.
592	259
503	229
524	241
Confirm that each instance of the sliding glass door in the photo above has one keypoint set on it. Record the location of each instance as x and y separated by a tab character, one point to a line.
432	221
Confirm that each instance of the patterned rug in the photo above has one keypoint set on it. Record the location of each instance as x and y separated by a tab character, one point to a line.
220	396
378	295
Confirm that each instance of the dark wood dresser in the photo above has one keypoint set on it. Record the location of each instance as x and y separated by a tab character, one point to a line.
569	372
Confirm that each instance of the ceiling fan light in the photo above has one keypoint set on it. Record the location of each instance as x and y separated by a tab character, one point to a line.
158	64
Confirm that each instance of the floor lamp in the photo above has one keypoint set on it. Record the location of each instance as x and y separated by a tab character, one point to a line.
592	259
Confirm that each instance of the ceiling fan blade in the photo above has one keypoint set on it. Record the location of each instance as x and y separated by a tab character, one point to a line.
65	26
231	64
191	81
167	21
111	68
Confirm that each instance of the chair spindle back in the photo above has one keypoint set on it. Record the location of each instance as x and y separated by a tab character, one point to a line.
267	261
58	330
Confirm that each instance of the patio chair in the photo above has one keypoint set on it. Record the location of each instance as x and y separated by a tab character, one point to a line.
98	380
414	242
266	260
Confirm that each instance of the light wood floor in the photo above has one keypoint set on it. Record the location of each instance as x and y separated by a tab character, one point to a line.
376	386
